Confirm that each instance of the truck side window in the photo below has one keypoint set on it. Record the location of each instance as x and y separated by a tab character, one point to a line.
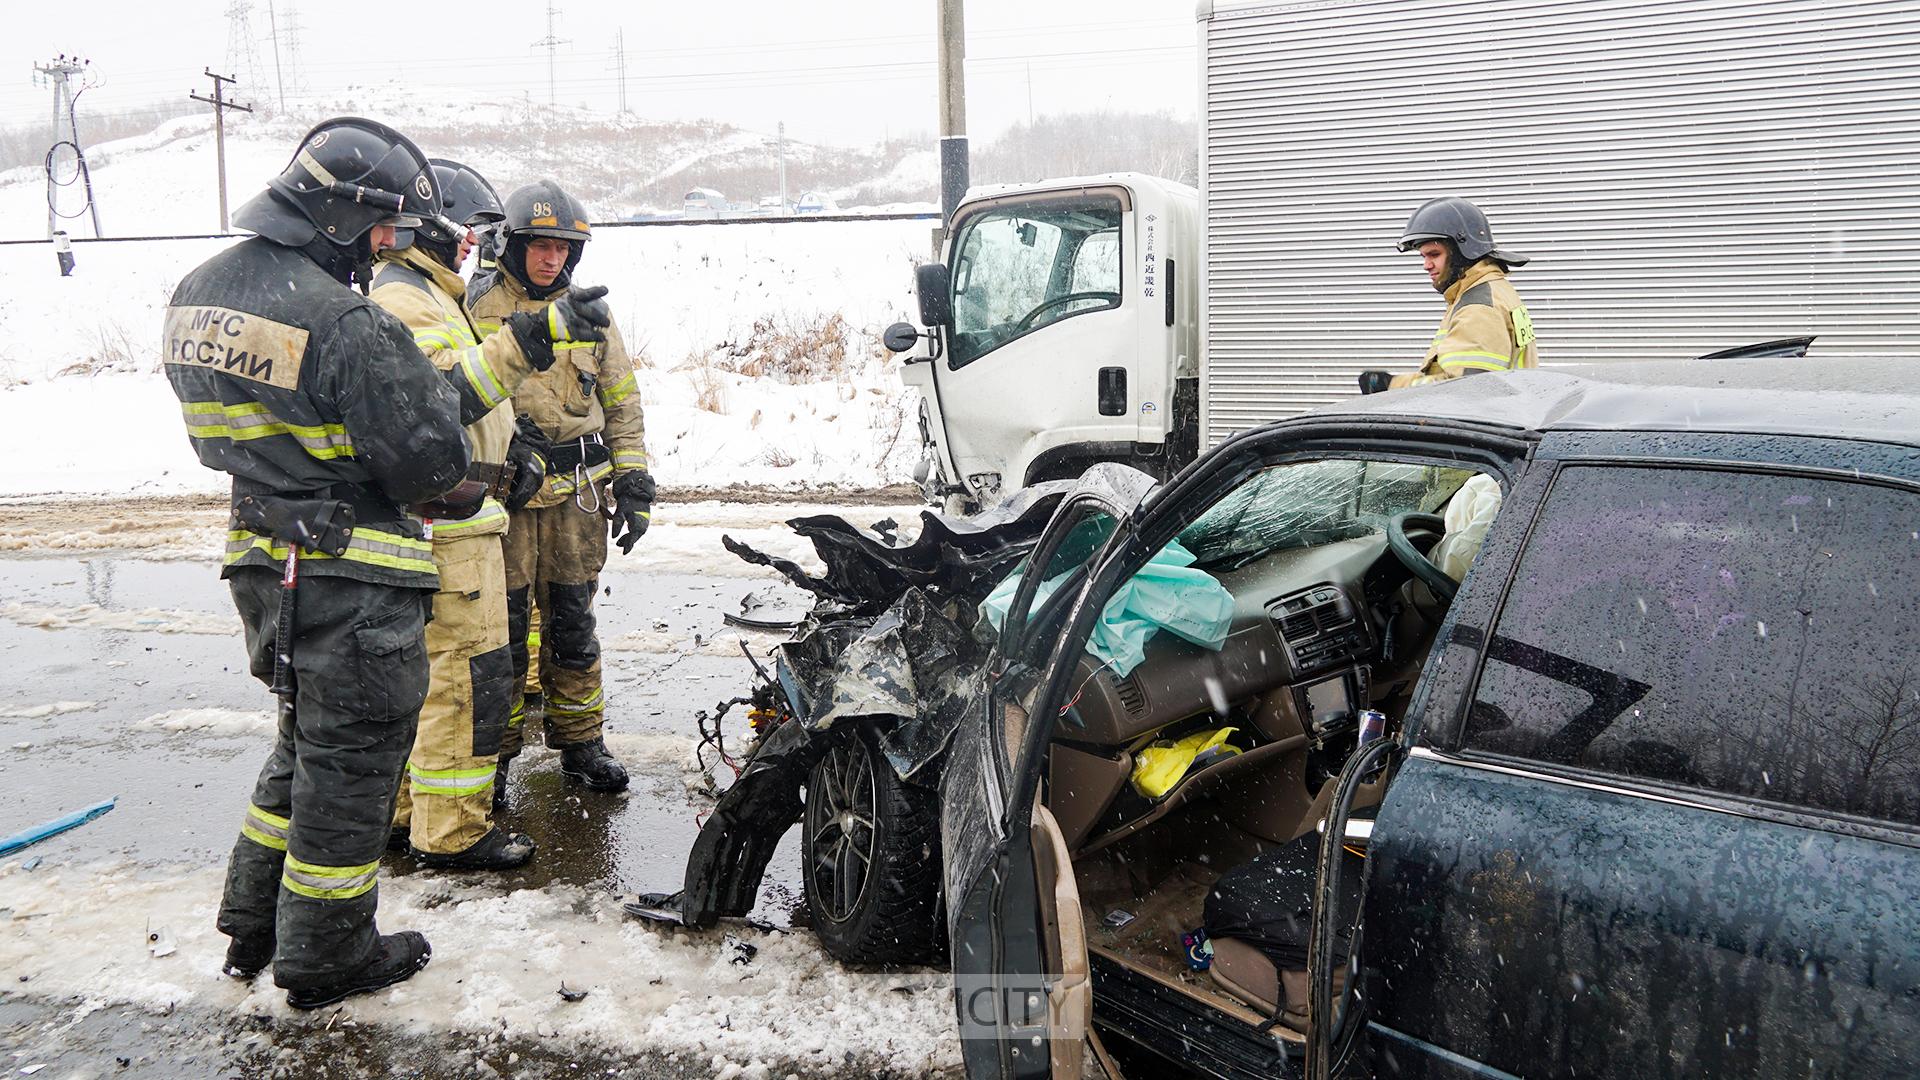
1744	633
1023	267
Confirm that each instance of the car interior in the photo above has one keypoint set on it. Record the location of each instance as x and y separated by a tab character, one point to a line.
1327	620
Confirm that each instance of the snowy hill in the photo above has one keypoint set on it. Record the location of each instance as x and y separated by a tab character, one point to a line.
759	341
162	183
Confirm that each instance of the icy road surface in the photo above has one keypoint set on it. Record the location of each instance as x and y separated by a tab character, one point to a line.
124	677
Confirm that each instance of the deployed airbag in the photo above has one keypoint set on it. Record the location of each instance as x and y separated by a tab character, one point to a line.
1167	593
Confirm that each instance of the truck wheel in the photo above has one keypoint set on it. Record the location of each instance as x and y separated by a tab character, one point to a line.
871	857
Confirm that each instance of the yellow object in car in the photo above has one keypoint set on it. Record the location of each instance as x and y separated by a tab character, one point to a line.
1162	765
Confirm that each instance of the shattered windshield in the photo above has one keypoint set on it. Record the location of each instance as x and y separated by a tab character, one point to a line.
1021	267
1315	502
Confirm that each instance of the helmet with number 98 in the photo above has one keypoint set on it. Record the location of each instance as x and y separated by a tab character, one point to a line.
542	209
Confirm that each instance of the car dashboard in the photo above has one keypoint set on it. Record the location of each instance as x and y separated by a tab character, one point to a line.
1300	618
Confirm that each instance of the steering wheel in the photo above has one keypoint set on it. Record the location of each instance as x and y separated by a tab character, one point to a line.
1112	299
1413	558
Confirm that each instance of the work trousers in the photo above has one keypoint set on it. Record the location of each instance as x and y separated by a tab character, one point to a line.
303	872
447	800
554	558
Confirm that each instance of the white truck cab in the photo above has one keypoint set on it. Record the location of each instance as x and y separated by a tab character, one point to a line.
1062	329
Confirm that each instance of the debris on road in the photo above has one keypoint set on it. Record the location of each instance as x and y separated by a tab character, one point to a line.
58	825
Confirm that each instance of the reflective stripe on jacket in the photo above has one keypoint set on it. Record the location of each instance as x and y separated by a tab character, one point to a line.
1486	328
295	384
428	298
558	401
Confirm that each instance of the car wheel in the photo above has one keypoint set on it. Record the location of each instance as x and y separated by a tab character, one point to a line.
871	857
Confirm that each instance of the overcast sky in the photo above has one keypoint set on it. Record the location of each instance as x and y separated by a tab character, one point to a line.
852	71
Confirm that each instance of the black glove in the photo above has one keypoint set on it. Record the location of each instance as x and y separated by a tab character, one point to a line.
528	453
632	508
580	315
1372	382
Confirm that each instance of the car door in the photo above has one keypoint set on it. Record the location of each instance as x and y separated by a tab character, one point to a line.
1666	819
1020	987
996	839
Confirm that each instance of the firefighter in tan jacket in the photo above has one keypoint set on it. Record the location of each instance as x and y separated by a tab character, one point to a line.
444	808
1486	327
588	405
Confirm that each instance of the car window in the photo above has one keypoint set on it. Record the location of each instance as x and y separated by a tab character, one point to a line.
1017	266
1745	633
1315	502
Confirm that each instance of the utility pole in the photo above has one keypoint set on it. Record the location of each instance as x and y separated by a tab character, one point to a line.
220	106
953	107
783	166
280	82
552	45
620	62
61	73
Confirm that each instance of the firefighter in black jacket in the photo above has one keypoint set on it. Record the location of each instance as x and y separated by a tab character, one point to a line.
332	424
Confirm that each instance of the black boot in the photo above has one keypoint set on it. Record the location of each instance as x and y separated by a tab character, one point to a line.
399	837
395	959
498	850
500	785
245	959
591	764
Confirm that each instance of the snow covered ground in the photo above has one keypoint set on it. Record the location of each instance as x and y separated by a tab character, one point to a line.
733	1001
686	298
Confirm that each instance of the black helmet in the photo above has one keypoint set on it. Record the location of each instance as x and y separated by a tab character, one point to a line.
349	175
542	209
467	200
1461	224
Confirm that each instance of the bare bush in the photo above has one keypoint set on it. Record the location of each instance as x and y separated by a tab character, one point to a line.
791	348
778	457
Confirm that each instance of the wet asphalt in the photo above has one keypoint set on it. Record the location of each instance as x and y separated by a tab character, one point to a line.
180	791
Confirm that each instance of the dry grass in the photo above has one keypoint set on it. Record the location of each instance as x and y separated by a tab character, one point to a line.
709	386
778	457
114	350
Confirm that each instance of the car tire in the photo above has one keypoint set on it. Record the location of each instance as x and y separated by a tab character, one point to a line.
870	857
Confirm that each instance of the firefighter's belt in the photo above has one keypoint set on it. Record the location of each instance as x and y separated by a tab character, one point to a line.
322	525
588	450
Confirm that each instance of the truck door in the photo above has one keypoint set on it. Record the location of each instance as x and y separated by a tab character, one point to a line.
1044	343
1019	956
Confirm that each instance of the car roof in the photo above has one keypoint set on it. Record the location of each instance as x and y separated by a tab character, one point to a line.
1869	399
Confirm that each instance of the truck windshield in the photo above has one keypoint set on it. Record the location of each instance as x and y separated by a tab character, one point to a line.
1315	502
1022	267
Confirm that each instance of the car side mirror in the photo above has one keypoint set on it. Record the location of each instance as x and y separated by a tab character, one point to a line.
900	337
934	284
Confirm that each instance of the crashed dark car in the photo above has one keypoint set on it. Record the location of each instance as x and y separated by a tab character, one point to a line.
1566	722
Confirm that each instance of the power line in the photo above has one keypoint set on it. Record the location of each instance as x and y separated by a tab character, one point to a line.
242	59
620	62
552	45
279	82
